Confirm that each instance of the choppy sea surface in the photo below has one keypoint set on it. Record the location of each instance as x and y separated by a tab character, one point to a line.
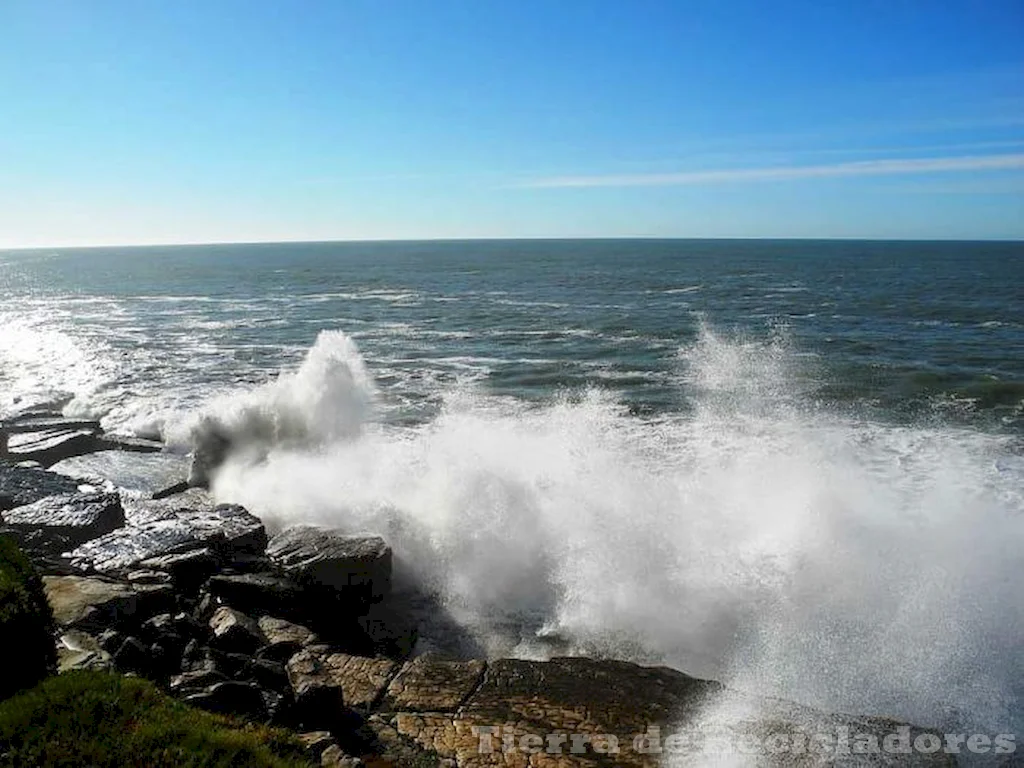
796	466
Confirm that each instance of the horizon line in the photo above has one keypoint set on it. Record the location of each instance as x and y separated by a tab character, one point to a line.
536	238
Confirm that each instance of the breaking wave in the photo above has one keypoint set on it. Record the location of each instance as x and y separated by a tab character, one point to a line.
759	539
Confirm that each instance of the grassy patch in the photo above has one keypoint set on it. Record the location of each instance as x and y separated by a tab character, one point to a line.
26	622
101	719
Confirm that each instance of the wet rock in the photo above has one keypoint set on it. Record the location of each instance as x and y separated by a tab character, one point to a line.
356	569
24	485
226	530
98	603
232	698
429	684
234	632
67	520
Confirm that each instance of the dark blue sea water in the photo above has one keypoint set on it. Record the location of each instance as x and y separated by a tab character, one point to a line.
793	465
904	330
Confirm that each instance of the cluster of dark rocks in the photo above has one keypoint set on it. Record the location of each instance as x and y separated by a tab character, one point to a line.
199	600
301	629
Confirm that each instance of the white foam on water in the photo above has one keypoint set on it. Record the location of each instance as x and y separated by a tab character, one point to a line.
842	563
41	362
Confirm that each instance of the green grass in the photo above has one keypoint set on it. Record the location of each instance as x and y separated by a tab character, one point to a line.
26	622
100	719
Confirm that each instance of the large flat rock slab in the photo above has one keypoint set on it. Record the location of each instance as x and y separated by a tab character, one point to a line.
567	713
67	520
24	485
617	694
229	530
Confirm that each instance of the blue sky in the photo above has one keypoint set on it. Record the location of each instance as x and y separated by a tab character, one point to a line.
151	122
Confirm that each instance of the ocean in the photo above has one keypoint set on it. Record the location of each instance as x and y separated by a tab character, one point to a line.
794	466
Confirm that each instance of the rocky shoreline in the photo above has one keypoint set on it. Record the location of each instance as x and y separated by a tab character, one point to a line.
302	629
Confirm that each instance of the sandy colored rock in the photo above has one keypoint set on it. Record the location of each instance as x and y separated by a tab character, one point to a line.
77	599
429	684
281	631
234	632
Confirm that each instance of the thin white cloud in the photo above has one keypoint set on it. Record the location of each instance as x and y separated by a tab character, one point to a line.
887	167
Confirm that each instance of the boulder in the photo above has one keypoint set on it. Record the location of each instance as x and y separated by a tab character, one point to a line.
356	569
24	485
227	529
68	520
96	603
281	631
270	593
234	632
284	639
